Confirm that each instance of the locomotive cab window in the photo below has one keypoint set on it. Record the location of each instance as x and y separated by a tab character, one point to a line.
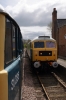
38	44
50	44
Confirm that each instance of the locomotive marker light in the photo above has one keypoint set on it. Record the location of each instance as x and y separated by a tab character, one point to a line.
36	53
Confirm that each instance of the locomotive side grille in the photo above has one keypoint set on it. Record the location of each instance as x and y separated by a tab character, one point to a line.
45	53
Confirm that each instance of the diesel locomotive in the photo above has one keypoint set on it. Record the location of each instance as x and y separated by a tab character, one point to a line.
11	49
43	52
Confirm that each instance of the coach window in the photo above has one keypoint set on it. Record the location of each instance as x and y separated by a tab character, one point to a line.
16	41
8	41
13	42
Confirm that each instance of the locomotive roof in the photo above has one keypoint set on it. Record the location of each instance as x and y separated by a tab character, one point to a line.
43	38
7	15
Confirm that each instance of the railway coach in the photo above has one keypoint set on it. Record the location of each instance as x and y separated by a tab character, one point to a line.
11	48
43	52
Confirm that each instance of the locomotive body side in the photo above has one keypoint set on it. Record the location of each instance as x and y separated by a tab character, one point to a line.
11	47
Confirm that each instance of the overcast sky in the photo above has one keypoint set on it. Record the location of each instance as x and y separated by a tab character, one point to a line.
33	16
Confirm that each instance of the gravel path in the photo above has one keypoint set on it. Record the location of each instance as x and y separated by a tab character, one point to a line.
28	91
31	88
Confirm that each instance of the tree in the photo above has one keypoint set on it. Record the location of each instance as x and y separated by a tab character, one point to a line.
49	27
26	43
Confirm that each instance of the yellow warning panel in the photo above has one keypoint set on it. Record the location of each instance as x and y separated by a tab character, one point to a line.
3	85
2	40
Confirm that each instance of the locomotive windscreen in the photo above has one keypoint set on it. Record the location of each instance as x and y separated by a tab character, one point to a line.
38	44
50	44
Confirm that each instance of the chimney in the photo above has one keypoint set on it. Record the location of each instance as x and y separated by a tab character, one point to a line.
54	15
54	22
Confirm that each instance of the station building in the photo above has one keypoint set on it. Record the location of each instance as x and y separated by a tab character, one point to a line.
59	33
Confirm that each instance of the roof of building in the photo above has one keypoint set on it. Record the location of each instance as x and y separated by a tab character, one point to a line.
61	22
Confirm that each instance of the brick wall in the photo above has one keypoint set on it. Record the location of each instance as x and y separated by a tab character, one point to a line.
58	34
62	41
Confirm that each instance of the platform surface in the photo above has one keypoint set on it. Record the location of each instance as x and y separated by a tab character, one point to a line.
62	62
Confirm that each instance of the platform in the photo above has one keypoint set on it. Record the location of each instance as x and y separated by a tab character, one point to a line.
61	62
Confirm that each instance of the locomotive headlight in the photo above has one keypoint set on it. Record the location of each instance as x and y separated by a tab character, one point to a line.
49	53
40	53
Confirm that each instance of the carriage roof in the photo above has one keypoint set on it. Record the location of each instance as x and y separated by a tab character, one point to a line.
7	15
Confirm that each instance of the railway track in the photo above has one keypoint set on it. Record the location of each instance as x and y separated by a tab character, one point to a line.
54	88
49	86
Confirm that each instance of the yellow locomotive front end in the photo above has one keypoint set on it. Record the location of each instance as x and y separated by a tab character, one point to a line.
44	51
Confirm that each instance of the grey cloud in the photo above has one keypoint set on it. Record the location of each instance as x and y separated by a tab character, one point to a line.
32	35
37	18
8	2
33	19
